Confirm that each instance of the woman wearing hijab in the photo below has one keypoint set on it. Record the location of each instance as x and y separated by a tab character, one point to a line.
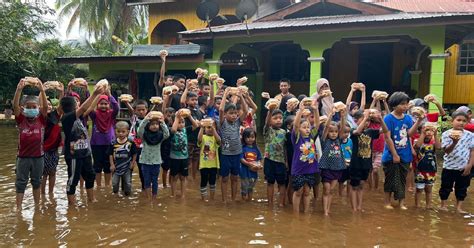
326	103
103	112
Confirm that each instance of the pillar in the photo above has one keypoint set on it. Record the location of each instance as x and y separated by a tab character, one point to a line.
315	72
437	77
214	66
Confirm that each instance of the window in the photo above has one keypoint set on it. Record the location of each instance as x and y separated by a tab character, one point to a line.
466	59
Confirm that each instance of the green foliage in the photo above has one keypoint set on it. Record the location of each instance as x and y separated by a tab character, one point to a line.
23	53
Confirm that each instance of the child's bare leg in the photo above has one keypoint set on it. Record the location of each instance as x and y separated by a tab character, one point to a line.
52	182
224	181
164	176
354	199
297	199
44	179
360	194
417	197
108	179
326	194
173	185
410	179
250	195
183	180
459	207
402	204
281	193
341	188
444	205
370	180
71	199
234	179
81	183
195	168
270	194
90	195
333	186
428	195
306	197
290	191
387	204
375	178
98	179
212	189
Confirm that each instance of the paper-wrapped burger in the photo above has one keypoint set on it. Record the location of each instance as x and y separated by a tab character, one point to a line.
243	89
126	98
292	102
326	93
357	86
103	83
242	80
265	95
455	134
184	112
163	53
272	103
52	85
233	90
156	115
380	95
339	106
213	76
156	100
429	98
418	112
31	81
307	101
323	119
432	126
207	122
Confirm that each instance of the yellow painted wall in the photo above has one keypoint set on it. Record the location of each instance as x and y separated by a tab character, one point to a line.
458	88
185	12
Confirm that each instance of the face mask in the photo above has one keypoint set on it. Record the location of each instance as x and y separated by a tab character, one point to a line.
31	113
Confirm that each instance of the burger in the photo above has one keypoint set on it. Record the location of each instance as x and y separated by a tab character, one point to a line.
323	119
418	112
52	85
80	82
339	106
326	93
293	102
32	81
242	80
455	134
213	76
220	81
243	89
163	53
193	82
184	112
429	98
207	122
156	115
198	71
104	84
306	112
432	126
265	95
272	103
156	100
380	95
357	86
126	98
168	90
307	101
233	90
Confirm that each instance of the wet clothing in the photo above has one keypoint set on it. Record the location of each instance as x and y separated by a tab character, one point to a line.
28	169
77	168
30	136
274	172
395	178
51	160
454	178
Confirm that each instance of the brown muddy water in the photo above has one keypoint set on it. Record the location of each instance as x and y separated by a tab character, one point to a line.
133	222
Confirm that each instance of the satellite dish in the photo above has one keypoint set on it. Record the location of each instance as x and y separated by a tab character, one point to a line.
245	10
207	10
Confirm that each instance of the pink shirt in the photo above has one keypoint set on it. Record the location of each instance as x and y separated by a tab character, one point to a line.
30	144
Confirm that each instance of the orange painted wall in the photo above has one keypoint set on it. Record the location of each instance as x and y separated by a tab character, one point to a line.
458	88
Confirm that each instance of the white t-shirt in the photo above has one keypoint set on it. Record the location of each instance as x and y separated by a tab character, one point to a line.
459	157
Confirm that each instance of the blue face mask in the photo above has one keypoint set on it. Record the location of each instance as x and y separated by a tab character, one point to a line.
31	113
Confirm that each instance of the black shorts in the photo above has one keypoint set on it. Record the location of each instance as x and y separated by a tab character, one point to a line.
179	166
274	171
166	163
345	176
101	159
357	175
312	180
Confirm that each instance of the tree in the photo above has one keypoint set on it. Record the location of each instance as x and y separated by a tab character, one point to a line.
23	54
103	18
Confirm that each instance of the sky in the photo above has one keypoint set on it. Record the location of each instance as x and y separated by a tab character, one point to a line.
61	25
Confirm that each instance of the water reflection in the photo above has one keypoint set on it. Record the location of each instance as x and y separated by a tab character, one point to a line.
132	221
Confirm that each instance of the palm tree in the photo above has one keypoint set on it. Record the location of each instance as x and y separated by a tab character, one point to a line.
103	18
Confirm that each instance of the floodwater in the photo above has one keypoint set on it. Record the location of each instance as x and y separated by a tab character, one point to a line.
117	221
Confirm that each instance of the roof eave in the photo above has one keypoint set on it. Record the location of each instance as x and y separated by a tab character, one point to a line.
434	21
129	59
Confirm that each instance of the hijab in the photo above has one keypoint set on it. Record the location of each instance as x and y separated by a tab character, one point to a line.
152	138
103	119
328	101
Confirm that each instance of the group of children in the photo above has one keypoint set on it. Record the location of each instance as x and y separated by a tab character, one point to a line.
204	127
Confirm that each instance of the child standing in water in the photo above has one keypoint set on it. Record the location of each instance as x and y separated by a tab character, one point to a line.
425	171
274	165
31	121
250	163
332	160
103	112
458	145
397	154
304	167
209	141
231	148
152	131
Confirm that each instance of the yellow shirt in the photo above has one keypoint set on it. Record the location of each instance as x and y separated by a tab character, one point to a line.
208	158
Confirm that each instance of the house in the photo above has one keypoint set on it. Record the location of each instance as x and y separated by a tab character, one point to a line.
420	47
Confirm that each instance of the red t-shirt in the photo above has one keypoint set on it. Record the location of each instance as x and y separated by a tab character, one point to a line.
377	144
30	144
469	127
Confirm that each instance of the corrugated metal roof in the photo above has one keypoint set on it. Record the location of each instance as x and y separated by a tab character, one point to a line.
428	5
173	50
323	21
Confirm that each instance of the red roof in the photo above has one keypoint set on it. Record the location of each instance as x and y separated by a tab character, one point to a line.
428	5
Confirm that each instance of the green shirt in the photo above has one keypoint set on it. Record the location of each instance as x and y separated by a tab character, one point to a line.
275	147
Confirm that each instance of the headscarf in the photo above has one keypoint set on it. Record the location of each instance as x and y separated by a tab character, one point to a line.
152	138
328	101
418	102
74	94
464	109
352	105
103	119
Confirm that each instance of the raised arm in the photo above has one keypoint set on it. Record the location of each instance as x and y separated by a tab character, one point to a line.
43	99
174	128
415	126
212	94
141	127
162	73
440	107
216	135
85	106
361	126
200	134
193	121
315	108
16	98
326	129
251	104
244	107
165	130
166	103
363	98
92	106
297	121
129	108
182	100
385	106
343	122
222	106
349	97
